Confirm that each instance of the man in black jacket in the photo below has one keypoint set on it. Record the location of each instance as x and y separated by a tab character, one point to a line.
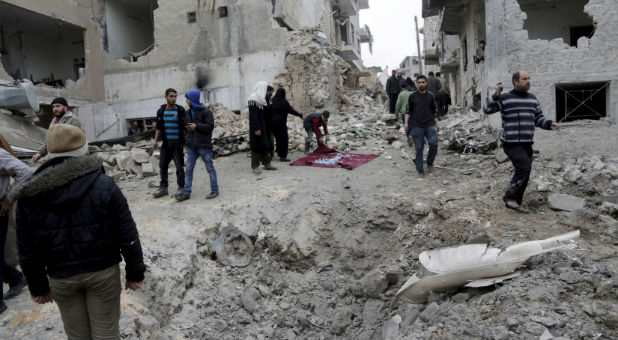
200	122
73	224
170	127
392	89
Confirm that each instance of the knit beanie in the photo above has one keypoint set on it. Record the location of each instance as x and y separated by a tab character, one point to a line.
60	100
65	140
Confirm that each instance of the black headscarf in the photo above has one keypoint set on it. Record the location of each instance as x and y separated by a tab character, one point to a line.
278	99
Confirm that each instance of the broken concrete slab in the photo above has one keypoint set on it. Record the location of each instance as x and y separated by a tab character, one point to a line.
565	202
148	170
140	156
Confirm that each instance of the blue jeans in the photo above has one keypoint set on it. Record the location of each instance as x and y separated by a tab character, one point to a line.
206	156
418	135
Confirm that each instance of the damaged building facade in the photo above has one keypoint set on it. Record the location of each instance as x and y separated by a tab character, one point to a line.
113	59
567	46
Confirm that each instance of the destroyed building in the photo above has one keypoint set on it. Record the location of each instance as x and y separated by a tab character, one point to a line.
113	59
567	46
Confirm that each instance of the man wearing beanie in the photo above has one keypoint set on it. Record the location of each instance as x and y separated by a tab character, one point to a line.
62	115
73	224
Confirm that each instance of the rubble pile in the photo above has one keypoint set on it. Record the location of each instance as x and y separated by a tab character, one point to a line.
315	75
469	133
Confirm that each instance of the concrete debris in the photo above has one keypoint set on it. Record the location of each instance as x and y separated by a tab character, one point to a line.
243	254
565	202
456	266
470	133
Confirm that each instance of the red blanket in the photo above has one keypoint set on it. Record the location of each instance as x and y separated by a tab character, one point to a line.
330	158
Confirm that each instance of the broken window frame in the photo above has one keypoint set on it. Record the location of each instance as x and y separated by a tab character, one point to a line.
568	93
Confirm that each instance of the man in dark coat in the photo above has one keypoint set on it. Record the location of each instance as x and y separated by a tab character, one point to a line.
279	110
170	127
392	89
73	224
200	122
259	134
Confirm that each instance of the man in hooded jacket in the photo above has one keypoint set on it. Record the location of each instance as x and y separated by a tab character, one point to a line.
73	225
200	122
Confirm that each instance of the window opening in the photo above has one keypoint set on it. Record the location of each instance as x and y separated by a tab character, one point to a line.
129	28
191	17
581	101
222	11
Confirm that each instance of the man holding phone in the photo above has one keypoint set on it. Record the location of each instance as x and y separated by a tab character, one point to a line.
521	113
200	123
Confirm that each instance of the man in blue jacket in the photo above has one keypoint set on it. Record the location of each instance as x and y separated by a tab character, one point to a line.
199	122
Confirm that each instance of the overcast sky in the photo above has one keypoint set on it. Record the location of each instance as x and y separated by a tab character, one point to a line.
392	24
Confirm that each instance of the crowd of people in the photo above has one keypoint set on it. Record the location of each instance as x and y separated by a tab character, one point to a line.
74	226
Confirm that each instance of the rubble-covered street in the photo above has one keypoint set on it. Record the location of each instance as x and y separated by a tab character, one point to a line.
332	246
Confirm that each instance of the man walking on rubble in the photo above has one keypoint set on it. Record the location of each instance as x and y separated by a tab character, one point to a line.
200	122
433	84
312	124
73	225
422	120
62	115
171	129
402	105
392	89
521	112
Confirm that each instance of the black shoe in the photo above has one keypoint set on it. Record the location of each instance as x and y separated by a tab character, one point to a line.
515	206
3	307
212	195
429	169
181	197
284	160
15	290
179	191
421	174
162	191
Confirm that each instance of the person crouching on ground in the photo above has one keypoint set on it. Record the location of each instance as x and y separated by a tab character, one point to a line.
73	224
312	124
259	135
10	167
200	122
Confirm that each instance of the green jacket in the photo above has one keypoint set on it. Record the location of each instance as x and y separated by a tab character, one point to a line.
402	101
67	119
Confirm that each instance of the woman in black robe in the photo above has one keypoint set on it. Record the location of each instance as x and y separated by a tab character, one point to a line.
279	110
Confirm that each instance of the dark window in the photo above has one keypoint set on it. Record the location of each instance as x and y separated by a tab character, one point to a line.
581	101
222	11
580	31
191	17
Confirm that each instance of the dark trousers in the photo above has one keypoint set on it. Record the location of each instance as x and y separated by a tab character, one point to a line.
521	157
419	135
263	157
440	105
169	152
392	101
280	131
8	274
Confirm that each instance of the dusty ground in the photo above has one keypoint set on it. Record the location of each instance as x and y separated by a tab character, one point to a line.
370	224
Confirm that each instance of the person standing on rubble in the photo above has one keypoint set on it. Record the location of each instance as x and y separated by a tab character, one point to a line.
312	124
73	225
170	128
62	115
392	89
422	120
433	84
199	122
10	167
521	113
279	110
260	141
402	105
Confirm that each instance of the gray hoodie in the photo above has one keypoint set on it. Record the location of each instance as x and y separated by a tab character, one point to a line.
11	167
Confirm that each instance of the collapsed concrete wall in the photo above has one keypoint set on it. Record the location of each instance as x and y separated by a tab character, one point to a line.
315	75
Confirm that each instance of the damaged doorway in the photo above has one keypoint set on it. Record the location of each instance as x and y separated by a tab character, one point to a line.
40	48
551	19
576	101
129	28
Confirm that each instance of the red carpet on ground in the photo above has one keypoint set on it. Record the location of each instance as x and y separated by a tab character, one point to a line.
325	157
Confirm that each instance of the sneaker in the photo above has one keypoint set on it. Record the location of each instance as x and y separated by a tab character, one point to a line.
421	174
257	171
269	167
284	160
16	289
181	197
3	307
162	191
513	205
410	141
212	195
